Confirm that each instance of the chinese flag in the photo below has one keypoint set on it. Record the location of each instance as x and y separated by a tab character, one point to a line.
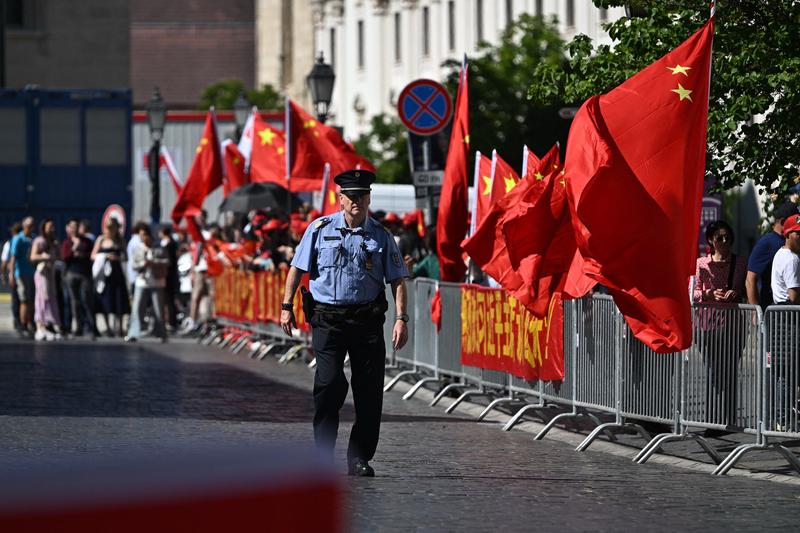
635	167
420	216
330	200
268	156
540	238
504	178
204	176
312	144
482	182
538	168
235	176
451	226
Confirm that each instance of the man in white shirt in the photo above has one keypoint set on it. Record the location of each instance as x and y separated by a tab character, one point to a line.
782	334
786	265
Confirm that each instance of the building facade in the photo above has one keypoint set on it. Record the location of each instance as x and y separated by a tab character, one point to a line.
184	46
65	45
376	47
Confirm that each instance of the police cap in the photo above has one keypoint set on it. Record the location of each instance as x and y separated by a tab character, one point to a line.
355	182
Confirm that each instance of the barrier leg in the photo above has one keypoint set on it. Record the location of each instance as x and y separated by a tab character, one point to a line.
576	412
464	396
514	420
495	403
790	457
313	363
413	390
292	353
445	390
400	375
609	428
734	457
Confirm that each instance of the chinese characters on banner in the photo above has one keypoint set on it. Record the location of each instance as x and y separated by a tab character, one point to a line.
499	333
246	296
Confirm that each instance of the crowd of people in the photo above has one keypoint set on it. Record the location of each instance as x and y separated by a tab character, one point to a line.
159	282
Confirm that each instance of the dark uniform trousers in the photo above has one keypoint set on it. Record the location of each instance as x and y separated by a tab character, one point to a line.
358	332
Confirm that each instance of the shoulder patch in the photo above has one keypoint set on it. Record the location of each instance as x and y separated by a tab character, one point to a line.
321	223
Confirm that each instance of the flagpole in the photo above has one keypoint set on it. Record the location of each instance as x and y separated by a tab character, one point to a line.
287	127
491	176
524	173
325	175
473	223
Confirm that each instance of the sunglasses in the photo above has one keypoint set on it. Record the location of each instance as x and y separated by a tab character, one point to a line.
723	238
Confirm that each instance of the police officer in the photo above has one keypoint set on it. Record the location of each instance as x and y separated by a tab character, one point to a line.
350	257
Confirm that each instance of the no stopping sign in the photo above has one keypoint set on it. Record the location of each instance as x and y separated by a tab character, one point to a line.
424	106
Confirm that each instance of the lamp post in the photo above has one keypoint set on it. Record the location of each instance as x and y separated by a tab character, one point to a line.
320	84
156	117
241	110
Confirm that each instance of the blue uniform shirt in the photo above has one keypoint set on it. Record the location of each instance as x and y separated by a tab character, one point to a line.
348	266
760	262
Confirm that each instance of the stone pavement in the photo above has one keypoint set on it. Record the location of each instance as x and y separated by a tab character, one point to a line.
436	472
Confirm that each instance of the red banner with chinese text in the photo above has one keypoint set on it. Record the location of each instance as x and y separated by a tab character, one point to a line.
245	296
499	333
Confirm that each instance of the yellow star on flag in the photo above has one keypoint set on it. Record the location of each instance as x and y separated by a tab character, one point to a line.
466	138
309	123
331	197
539	176
510	183
487	182
237	160
683	93
280	150
266	136
200	146
680	69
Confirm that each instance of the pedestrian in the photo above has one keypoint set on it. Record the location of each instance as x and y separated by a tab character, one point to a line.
133	243
151	265
170	247
720	284
76	252
759	266
786	291
21	275
350	258
43	255
110	285
5	269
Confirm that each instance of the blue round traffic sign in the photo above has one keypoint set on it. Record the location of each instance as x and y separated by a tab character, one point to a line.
424	106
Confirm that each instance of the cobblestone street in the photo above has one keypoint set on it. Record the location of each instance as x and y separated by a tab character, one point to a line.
435	472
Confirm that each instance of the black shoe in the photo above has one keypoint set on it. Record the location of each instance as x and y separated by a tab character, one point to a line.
360	468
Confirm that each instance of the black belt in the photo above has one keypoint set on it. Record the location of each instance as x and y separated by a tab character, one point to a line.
378	305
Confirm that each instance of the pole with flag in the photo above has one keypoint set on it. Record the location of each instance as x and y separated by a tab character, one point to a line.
287	128
476	185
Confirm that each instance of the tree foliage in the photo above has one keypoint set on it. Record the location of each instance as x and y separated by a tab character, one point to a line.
385	146
501	115
223	94
755	81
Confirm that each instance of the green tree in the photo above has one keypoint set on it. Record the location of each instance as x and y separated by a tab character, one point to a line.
501	115
753	131
223	94
385	146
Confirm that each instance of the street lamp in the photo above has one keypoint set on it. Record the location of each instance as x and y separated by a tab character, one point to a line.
241	110
156	117
320	84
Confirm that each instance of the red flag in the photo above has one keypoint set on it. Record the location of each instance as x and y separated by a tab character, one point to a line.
504	178
420	216
482	189
312	144
235	176
451	226
204	176
539	168
635	168
268	156
330	200
166	161
436	310
539	237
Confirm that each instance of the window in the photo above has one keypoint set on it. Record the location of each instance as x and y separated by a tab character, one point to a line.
106	137
426	41
13	148
509	12
60	137
398	55
603	14
451	25
360	44
570	13
538	11
333	48
479	19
